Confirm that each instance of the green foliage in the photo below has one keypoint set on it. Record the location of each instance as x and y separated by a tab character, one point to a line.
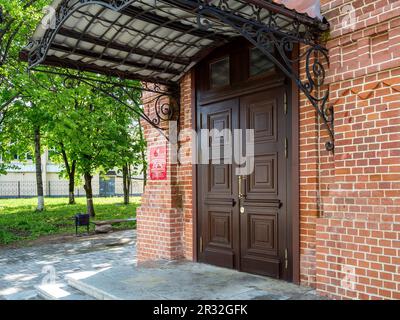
23	96
96	131
19	221
21	19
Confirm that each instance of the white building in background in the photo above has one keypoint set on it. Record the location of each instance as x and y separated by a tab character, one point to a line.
21	181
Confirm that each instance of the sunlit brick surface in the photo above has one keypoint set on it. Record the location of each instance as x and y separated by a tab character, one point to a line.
352	250
165	221
349	201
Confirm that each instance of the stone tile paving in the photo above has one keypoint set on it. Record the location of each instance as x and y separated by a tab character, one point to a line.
185	280
110	260
22	269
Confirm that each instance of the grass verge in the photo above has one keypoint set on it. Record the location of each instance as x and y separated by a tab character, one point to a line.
19	220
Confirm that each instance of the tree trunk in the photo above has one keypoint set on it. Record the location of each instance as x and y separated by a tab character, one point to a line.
126	183
71	175
129	180
89	194
71	184
38	163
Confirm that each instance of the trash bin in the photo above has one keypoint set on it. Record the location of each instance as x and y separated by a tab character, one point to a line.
82	220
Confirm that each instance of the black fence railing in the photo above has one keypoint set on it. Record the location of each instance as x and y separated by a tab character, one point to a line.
59	188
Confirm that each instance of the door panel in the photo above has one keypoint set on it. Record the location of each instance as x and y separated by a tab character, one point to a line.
264	179
219	248
219	212
263	222
261	116
253	240
260	234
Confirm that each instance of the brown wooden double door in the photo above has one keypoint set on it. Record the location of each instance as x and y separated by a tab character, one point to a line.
246	229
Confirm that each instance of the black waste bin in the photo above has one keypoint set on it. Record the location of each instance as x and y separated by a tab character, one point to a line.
82	220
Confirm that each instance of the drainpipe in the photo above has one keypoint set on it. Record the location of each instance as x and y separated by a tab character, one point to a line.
319	199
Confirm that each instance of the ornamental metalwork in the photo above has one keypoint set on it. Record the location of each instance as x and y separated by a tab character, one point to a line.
263	23
266	33
163	104
40	48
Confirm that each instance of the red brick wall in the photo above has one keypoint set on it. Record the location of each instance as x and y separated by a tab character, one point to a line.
159	224
356	239
165	222
185	169
349	201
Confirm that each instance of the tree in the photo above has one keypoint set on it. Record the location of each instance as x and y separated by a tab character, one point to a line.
13	143
18	19
132	156
60	155
25	123
11	24
19	90
70	167
60	127
38	162
131	146
95	133
89	126
142	149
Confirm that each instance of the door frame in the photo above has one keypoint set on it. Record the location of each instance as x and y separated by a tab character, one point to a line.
293	175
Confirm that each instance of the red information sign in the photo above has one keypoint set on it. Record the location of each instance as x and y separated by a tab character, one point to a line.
158	163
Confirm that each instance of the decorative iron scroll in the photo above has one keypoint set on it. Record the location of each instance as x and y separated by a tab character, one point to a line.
164	110
262	22
263	32
165	102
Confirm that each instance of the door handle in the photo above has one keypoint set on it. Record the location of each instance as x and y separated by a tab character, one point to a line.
241	195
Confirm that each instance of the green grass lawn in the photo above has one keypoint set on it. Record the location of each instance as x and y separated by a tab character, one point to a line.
20	222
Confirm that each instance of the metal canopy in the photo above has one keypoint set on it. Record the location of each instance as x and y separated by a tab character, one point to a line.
158	41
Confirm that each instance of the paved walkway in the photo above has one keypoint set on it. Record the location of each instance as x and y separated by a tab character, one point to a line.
105	267
24	268
184	280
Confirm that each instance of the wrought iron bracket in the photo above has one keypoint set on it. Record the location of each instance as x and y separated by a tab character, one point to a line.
163	103
265	33
260	23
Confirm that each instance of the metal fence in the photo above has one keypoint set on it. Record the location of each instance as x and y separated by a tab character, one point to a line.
24	189
136	188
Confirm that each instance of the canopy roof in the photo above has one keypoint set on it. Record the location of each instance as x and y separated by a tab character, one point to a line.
157	40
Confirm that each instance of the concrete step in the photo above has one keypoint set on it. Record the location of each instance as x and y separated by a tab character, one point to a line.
60	291
77	282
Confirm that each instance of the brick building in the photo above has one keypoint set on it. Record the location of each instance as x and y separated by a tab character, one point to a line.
322	205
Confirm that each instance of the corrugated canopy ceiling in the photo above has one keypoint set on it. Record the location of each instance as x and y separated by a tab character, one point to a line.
152	40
